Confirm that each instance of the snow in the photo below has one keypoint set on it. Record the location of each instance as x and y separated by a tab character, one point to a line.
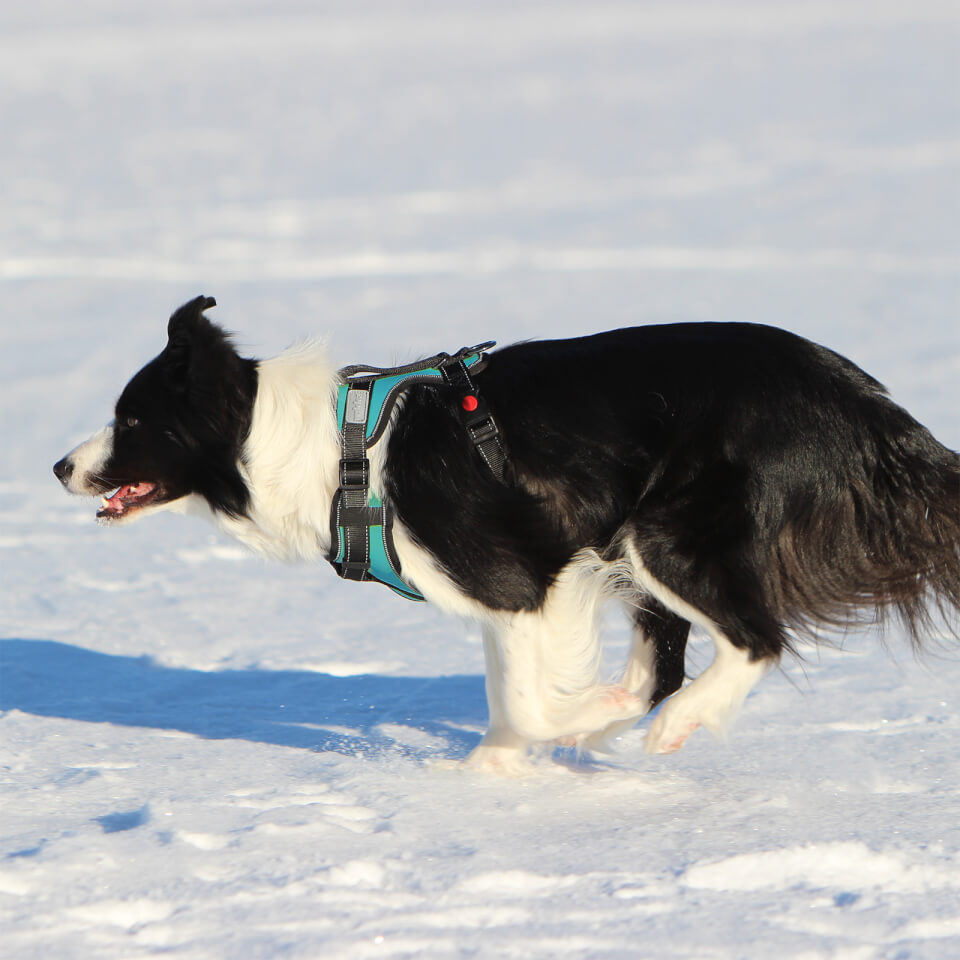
205	756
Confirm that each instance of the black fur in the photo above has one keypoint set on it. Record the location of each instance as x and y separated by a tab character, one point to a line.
767	481
181	421
668	634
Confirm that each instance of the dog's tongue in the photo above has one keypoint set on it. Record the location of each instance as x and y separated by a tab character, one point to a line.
116	504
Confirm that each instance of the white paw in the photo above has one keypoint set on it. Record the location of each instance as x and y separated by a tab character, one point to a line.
502	760
613	703
709	701
620	699
668	734
678	718
616	710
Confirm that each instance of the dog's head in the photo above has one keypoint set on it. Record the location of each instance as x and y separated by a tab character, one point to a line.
178	428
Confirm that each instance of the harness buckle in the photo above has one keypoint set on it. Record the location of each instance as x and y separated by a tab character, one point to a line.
354	472
483	430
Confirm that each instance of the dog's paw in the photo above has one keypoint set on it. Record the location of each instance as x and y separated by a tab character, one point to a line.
680	716
620	701
616	710
613	705
665	736
503	761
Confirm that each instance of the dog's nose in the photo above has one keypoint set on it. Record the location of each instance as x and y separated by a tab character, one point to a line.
63	470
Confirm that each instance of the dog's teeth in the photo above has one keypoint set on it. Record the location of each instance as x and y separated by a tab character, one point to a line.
104	502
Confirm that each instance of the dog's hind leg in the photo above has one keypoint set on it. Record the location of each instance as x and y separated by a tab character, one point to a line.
713	698
655	667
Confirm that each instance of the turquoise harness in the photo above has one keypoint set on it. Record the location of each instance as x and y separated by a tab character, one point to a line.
361	524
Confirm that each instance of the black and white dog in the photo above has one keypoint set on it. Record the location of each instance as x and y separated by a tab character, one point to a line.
731	476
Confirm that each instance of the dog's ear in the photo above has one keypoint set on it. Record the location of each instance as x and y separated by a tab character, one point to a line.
185	321
187	325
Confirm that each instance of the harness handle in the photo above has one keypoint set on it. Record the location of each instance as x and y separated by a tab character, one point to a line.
436	361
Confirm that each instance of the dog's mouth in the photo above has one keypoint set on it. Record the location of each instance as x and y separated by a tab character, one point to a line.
129	498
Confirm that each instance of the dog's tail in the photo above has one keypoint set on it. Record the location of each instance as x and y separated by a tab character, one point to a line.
887	538
924	547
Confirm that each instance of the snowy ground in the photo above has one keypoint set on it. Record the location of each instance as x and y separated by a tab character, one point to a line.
207	757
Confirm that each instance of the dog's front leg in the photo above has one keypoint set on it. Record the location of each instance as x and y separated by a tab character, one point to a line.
542	684
502	750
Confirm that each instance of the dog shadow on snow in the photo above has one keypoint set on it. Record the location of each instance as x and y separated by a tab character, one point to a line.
418	717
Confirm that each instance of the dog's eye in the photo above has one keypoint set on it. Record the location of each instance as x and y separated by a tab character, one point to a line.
132	421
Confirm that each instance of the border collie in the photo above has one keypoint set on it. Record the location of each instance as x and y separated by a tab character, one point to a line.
731	476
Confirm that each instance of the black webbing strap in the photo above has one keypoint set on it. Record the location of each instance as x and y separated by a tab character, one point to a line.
352	510
476	417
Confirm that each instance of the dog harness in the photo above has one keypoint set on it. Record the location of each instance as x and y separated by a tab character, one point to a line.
361	523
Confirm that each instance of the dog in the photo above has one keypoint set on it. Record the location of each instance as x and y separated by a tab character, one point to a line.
731	476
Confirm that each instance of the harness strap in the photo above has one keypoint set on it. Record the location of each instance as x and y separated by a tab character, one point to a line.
361	524
476	417
352	502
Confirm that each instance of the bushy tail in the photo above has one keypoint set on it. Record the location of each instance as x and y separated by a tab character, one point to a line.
885	542
924	548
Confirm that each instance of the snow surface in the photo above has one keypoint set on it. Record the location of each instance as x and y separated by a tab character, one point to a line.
205	756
